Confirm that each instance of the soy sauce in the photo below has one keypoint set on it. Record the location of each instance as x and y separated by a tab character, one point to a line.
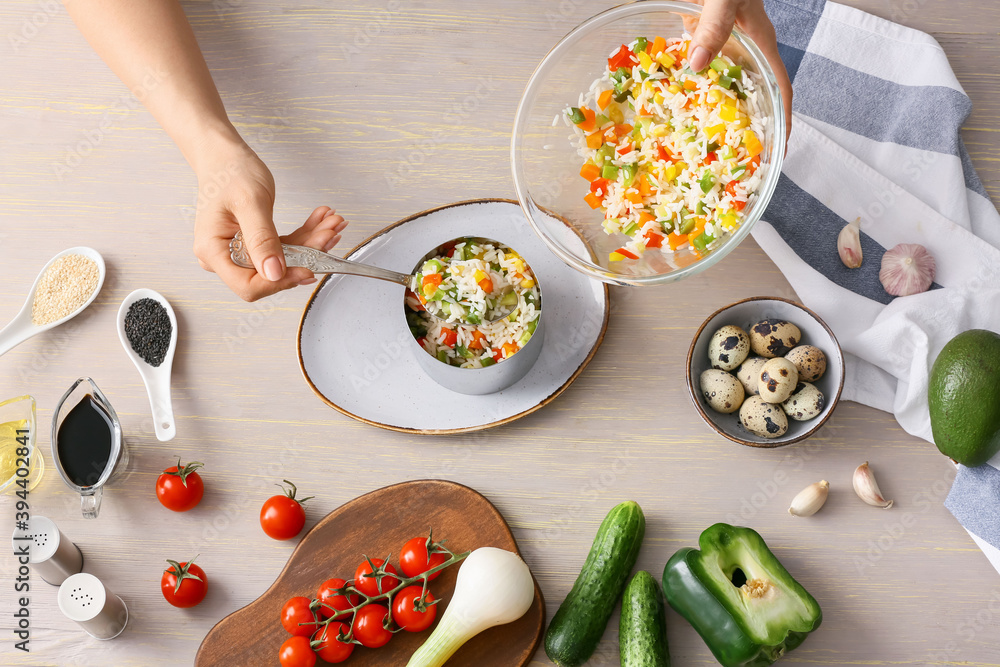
84	442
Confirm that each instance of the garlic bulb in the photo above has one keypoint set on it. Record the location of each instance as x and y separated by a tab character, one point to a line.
849	244
809	500
867	489
907	269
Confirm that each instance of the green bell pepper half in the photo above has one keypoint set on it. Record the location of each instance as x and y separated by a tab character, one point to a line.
745	605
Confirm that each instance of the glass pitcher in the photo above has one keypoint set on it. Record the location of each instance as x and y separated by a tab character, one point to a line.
87	443
19	458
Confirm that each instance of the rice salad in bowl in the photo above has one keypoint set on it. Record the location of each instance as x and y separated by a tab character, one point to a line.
673	156
470	281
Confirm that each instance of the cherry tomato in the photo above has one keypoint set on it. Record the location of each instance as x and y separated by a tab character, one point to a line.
297	618
410	612
367	581
413	558
330	648
179	488
184	584
297	652
330	595
282	517
369	626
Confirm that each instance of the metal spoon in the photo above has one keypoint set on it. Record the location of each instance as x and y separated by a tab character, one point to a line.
318	261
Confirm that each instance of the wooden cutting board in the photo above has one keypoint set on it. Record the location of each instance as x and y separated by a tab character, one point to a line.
376	524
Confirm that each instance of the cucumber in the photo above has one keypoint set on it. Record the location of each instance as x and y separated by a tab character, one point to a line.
578	625
642	632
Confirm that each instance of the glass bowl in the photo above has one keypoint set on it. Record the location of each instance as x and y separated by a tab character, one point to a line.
546	165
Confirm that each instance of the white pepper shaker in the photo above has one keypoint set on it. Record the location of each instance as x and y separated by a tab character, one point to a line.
101	613
42	545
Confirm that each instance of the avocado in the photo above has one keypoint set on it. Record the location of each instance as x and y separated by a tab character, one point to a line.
964	397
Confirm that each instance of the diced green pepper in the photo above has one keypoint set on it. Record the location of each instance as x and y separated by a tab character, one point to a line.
525	337
622	96
609	171
629	229
604	153
576	115
734	72
745	605
514	315
442	355
702	241
667	225
473	318
439	295
487	361
684	221
462	351
712	146
631	169
738	170
739	90
601	120
700	208
509	299
719	65
707	181
640	45
726	153
532	325
725	81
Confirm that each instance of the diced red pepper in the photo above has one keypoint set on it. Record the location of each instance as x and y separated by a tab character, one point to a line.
477	338
664	154
498	355
486	284
624	149
449	337
754	164
589	123
622	58
653	240
599	184
710	157
627	253
590	171
739	205
592	200
433	278
731	187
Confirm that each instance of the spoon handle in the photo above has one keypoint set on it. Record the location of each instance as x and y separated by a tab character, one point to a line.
316	261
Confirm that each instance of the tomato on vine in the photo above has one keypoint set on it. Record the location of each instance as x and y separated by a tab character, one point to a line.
298	618
330	648
375	576
370	626
282	517
297	652
334	598
180	488
413	609
421	554
184	584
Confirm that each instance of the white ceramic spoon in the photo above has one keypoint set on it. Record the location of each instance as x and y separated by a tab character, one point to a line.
156	379
21	328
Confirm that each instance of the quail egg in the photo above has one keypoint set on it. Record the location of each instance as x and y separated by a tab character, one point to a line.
810	361
723	392
762	418
749	374
728	347
804	403
777	379
774	338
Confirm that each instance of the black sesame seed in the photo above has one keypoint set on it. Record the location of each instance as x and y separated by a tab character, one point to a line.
148	328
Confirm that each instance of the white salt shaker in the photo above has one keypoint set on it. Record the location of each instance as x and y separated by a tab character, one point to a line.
51	555
84	599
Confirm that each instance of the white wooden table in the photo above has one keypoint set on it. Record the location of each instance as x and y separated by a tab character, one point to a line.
335	96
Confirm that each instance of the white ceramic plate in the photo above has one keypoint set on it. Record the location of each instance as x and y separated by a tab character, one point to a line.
356	351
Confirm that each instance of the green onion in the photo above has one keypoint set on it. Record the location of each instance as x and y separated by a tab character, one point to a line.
726	153
629	228
576	115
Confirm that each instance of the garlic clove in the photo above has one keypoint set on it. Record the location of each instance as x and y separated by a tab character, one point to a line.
849	244
867	488
907	269
809	500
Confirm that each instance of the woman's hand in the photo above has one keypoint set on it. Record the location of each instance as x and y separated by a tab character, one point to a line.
236	193
714	28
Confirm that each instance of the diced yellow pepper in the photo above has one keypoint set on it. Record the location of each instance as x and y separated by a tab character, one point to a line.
727	113
751	142
645	61
527	283
713	130
681	166
661	130
616	257
674	88
479	275
729	101
728	220
665	59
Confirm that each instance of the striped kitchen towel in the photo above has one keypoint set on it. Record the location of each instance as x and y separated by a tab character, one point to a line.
876	117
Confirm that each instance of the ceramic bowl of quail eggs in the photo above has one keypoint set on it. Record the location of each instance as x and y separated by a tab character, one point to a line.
765	372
